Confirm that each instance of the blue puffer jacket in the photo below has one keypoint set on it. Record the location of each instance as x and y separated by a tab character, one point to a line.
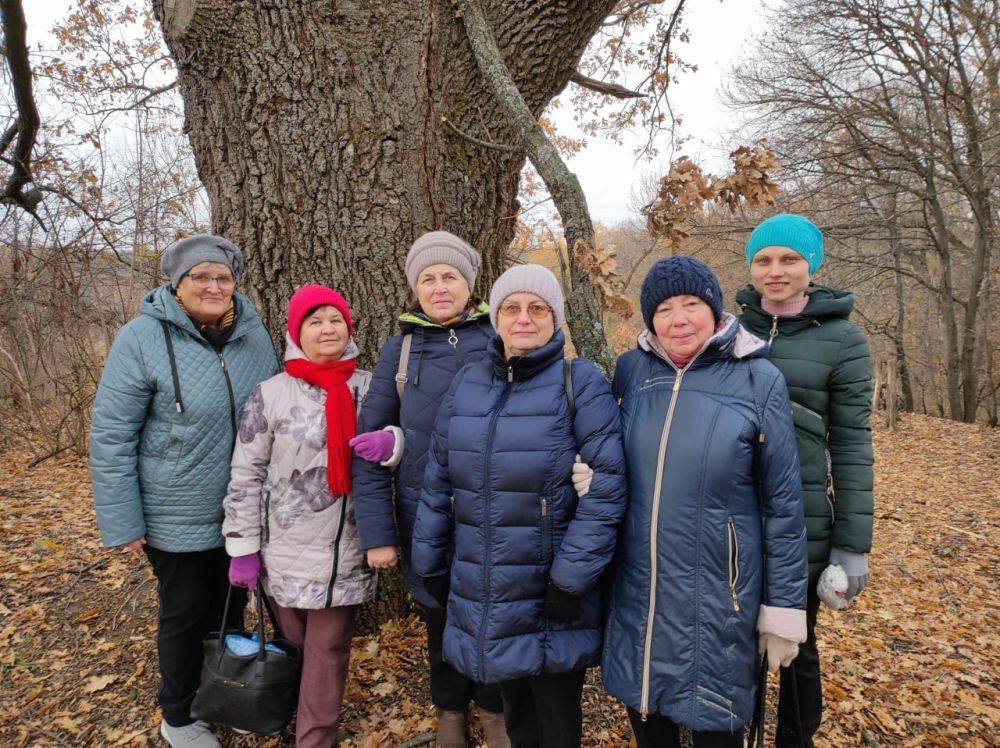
498	490
712	547
156	471
436	355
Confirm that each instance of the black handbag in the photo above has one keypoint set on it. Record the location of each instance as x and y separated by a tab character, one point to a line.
255	692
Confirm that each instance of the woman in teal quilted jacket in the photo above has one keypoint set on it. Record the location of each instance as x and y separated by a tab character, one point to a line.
161	439
824	358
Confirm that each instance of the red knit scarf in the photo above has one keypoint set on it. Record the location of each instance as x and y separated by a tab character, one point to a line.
340	417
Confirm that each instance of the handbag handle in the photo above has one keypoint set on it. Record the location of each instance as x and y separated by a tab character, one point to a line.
262	604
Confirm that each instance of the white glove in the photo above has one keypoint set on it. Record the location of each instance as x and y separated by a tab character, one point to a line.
855	565
780	651
581	477
832	587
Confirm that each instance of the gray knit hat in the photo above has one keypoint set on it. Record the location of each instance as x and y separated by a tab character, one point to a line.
436	247
534	279
185	253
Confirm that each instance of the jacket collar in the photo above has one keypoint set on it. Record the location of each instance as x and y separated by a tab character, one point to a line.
521	368
825	303
410	320
732	341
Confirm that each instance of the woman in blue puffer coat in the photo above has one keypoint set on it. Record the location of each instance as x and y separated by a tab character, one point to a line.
713	551
524	607
161	439
444	330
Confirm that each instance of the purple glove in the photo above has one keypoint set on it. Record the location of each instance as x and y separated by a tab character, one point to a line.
375	446
244	570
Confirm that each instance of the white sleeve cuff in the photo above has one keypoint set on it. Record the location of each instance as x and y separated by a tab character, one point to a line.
397	448
788	623
242	546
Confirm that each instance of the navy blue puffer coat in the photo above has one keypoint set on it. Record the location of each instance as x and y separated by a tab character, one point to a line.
498	488
713	546
436	355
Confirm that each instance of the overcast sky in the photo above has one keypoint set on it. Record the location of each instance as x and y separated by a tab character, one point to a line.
720	32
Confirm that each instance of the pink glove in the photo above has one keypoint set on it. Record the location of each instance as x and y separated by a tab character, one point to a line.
375	446
244	570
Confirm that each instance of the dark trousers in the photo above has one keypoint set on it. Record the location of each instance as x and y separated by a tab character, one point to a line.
191	588
544	710
659	732
450	690
807	686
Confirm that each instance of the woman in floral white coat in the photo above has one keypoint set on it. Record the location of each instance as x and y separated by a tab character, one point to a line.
289	507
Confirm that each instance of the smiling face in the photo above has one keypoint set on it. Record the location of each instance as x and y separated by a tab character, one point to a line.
324	335
205	299
442	292
683	324
780	274
524	323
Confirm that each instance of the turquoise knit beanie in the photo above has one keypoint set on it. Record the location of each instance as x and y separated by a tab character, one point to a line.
797	233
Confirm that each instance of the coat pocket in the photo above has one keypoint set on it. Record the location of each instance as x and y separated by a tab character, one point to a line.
545	528
733	553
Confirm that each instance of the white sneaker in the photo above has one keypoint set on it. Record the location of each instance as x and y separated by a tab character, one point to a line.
195	735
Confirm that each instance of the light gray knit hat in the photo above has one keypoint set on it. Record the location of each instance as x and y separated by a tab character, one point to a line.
185	253
441	247
535	279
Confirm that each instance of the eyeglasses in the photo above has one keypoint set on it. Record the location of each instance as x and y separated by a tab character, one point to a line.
535	310
204	280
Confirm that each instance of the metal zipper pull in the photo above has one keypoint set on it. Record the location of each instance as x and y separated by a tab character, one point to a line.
774	329
452	338
510	373
545	509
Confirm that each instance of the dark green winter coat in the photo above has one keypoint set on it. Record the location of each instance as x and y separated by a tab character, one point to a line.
824	358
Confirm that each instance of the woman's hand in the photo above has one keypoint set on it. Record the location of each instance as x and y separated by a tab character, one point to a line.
244	570
383	557
780	652
136	545
581	476
374	446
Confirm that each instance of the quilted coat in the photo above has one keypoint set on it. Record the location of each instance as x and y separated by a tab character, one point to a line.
436	355
824	358
498	491
159	454
279	500
713	546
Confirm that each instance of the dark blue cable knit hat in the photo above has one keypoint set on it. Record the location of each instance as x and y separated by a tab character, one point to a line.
680	275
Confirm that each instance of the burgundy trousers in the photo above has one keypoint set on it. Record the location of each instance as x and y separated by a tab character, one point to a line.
325	639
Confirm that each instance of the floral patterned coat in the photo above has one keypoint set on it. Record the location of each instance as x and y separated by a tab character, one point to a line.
279	502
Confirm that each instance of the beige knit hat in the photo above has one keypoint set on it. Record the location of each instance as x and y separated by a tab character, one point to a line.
535	279
436	247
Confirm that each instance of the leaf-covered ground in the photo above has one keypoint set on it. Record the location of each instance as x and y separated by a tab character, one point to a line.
915	662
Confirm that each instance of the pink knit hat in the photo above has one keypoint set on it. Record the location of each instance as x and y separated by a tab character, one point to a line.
310	297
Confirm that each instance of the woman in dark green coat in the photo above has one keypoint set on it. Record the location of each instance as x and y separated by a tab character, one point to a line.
824	358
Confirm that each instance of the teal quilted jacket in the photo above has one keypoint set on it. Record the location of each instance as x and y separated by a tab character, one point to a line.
160	453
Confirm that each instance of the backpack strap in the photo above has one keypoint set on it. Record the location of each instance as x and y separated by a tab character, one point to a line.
404	363
568	384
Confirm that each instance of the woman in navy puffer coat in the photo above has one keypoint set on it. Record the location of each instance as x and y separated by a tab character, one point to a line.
524	607
713	546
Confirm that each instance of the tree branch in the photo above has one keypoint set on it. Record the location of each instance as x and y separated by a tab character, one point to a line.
472	139
16	52
585	322
603	87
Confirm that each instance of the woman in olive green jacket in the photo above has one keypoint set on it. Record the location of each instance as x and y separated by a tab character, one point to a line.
824	358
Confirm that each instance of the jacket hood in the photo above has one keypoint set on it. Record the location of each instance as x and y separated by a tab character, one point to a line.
526	366
160	304
824	303
733	341
409	320
293	352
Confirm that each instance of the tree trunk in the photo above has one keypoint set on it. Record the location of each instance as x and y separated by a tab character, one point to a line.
317	129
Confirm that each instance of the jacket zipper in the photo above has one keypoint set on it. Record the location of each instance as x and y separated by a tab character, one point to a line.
831	493
232	397
733	547
774	330
487	495
453	342
653	522
546	538
336	551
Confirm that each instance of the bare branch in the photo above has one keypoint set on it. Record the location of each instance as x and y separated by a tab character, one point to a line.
16	51
603	87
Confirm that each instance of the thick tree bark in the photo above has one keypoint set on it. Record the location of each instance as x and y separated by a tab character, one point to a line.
317	131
